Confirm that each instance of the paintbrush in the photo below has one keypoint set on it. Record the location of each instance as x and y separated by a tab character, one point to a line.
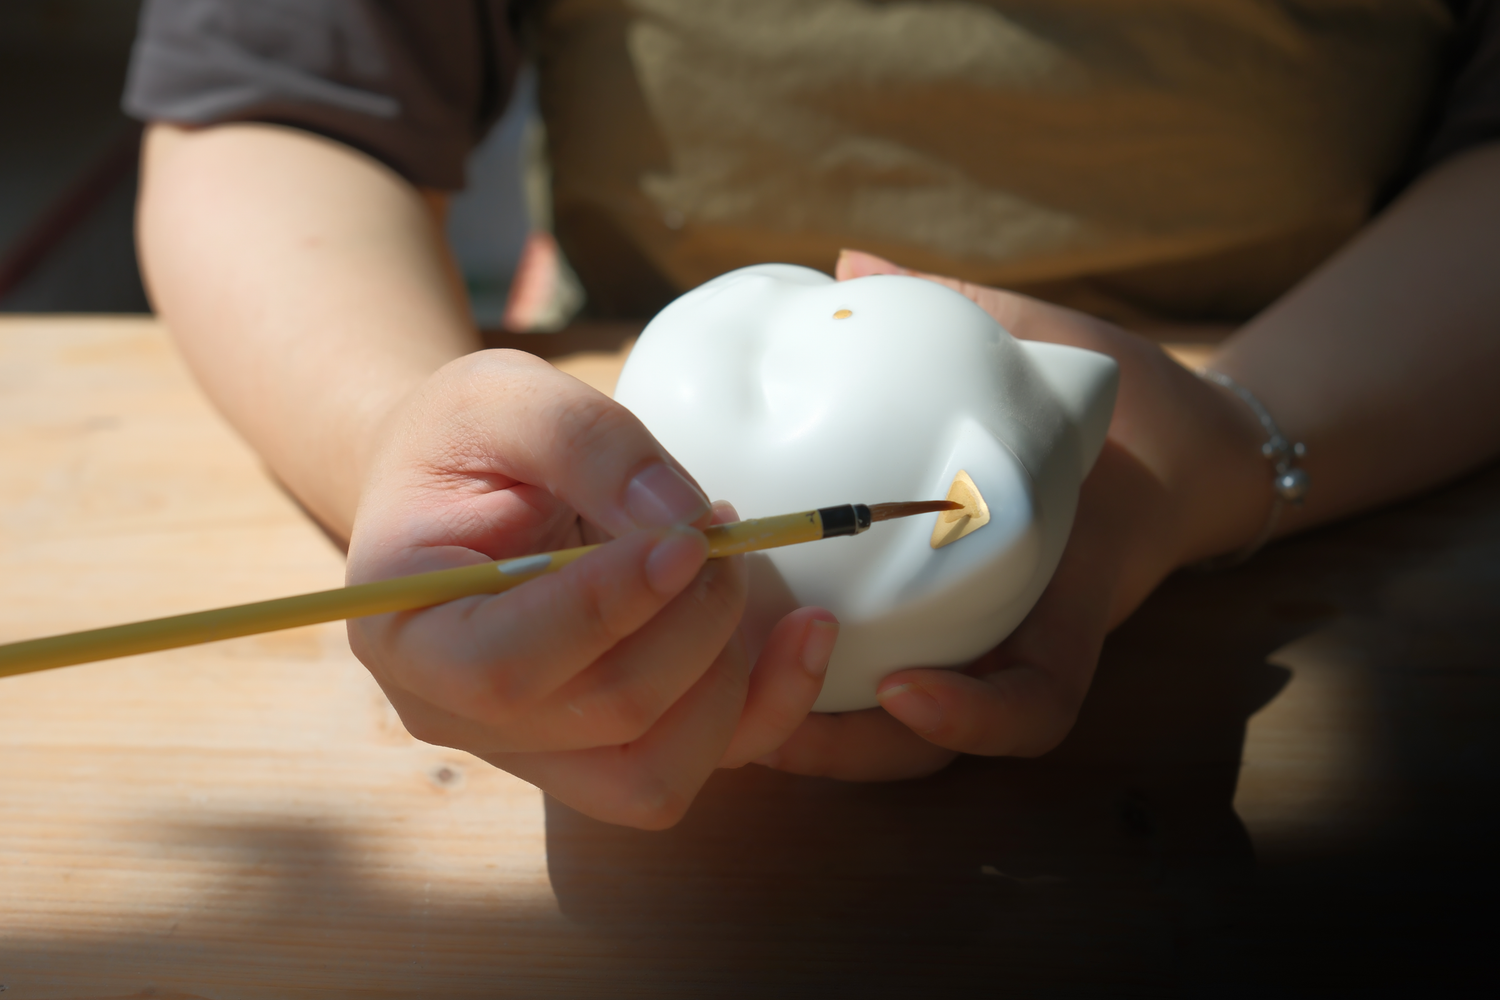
422	590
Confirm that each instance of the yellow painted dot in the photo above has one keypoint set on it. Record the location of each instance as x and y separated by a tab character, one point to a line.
843	314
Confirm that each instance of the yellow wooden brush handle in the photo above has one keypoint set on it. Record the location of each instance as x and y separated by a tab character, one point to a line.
404	593
763	533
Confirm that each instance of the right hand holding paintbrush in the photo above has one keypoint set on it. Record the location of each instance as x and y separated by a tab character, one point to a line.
617	684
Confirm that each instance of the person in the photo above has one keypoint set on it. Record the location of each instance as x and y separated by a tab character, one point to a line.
1325	175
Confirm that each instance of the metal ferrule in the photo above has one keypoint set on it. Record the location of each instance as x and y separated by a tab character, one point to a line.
849	519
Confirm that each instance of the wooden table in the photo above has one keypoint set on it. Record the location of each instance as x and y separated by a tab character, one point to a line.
1284	776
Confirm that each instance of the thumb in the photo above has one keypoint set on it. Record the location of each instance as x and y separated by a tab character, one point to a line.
1010	309
858	264
497	418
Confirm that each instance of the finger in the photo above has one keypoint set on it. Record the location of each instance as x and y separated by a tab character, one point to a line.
492	659
859	264
496	418
625	693
1021	710
1023	698
1010	310
628	690
1021	315
857	746
650	782
784	684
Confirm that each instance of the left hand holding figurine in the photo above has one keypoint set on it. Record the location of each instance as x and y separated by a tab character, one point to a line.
1180	479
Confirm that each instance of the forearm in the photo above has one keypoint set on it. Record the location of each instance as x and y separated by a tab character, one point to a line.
1384	361
307	286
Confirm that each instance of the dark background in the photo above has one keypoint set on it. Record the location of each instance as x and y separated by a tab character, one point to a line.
68	170
67	175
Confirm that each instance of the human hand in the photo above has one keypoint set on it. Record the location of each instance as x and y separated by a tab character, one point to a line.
1180	478
616	684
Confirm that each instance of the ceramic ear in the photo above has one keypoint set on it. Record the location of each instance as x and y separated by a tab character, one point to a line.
1085	384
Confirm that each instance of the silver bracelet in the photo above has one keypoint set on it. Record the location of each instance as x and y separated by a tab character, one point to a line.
1289	482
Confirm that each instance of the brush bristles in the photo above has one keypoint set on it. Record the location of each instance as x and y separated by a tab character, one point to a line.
890	511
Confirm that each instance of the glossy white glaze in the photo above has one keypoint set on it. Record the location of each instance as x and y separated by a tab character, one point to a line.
776	405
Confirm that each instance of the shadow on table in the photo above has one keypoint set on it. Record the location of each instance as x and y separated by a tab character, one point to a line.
1114	866
1118	860
290	910
1099	864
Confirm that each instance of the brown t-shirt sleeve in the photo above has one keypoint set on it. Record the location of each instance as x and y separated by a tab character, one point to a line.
414	83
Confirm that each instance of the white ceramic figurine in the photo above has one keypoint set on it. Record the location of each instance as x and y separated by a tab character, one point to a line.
782	390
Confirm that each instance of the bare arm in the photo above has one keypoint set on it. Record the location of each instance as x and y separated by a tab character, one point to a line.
307	286
1385	361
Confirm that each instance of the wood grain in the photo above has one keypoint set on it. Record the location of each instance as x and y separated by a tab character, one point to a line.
197	796
1283	775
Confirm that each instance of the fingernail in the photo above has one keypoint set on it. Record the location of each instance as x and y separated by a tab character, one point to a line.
724	512
659	496
818	646
913	706
675	560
